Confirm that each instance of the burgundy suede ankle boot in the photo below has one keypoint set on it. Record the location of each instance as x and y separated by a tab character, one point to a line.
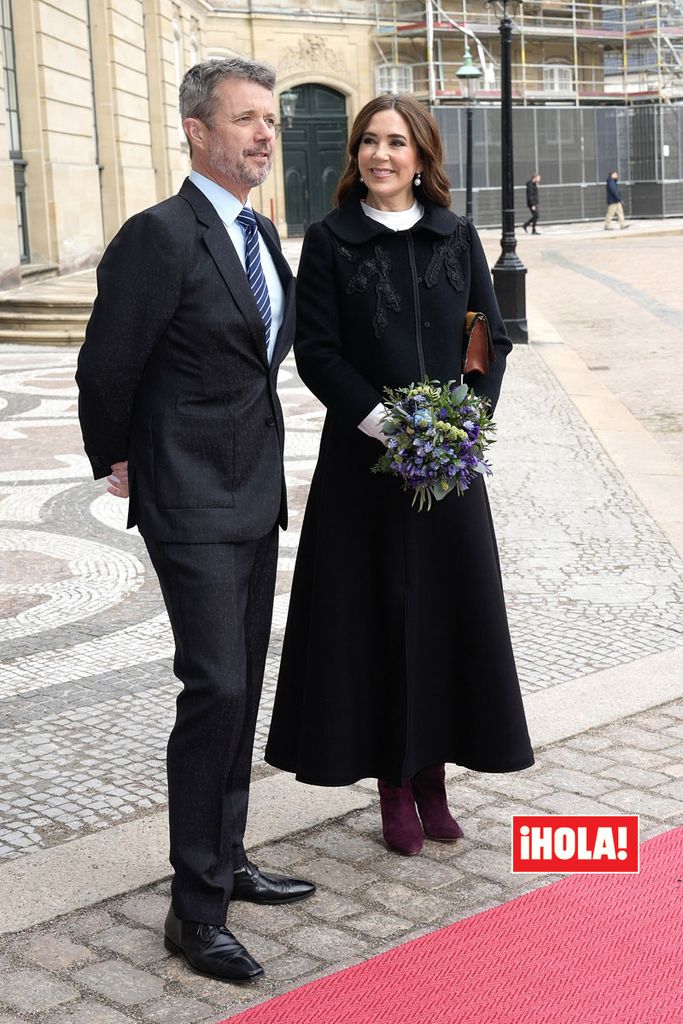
400	824
429	789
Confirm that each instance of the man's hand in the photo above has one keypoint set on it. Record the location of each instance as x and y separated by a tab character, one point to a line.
118	481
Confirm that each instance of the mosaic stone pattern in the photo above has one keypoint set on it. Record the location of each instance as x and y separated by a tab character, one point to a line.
86	686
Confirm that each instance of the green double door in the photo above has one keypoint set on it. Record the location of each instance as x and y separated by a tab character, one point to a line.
313	151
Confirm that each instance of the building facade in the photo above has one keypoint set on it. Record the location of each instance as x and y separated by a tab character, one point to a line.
89	111
88	95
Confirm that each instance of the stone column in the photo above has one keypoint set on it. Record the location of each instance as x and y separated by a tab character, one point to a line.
57	130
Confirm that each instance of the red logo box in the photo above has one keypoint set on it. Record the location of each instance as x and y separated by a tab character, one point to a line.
577	843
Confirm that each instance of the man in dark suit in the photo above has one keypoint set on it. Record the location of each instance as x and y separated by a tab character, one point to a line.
532	202
178	408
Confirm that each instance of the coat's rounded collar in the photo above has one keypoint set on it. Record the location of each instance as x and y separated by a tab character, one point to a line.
349	223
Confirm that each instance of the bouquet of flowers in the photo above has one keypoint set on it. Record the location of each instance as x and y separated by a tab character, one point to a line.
437	436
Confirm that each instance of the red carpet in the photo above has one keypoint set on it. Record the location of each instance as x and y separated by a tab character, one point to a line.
590	949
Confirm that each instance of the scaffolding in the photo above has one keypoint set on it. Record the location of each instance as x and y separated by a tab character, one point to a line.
574	53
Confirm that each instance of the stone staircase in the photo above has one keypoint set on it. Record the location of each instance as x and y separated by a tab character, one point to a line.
48	312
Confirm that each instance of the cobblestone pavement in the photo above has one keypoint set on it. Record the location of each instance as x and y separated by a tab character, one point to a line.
87	692
108	965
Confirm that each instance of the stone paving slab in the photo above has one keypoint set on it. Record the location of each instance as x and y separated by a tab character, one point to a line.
618	305
108	964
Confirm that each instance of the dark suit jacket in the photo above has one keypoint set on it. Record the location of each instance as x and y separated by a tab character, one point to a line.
173	376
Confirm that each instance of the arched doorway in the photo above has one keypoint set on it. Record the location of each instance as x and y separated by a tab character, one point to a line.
313	153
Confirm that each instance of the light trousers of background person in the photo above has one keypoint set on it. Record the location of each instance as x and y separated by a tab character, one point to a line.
219	598
612	209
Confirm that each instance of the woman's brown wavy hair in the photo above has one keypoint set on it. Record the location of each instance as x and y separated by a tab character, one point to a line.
426	134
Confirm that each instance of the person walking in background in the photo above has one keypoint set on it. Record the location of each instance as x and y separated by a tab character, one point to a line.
532	202
614	202
193	316
397	654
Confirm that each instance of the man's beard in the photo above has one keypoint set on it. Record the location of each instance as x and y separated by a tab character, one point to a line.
235	169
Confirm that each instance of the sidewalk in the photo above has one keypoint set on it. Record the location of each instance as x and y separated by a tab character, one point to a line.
592	555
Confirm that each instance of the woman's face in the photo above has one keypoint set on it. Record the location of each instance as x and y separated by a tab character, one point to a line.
388	160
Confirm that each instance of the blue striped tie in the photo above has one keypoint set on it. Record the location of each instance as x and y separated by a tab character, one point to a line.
257	280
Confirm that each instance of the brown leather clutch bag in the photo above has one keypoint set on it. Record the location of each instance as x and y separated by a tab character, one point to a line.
479	351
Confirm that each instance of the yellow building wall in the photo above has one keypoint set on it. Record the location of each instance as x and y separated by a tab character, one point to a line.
98	104
303	50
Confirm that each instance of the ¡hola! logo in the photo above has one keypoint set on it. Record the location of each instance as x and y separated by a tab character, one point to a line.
575	843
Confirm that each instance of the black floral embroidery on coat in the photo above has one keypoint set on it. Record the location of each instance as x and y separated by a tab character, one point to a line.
448	253
378	266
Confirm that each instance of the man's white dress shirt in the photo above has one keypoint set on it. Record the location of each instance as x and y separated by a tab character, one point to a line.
228	207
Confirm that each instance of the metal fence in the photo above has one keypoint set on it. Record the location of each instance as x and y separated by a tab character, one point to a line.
573	149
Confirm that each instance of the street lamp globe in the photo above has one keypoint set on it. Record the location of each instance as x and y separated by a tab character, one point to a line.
468	75
288	101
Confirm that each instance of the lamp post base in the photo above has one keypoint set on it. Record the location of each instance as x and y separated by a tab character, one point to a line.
509	283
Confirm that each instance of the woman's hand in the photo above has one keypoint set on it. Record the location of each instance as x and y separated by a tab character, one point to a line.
118	481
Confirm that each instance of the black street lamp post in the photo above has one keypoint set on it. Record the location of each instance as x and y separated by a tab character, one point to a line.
468	75
509	272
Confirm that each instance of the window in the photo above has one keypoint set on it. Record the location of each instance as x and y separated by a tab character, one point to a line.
12	106
178	72
177	53
24	254
491	76
10	75
394	78
558	78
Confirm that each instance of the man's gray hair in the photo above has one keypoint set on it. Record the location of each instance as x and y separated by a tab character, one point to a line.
198	87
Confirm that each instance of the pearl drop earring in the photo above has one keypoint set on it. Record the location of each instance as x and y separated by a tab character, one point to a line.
360	178
418	179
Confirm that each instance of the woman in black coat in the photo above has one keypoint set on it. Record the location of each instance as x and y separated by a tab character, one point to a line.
397	654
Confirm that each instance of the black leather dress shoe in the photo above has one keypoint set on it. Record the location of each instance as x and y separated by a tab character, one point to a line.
210	949
258	887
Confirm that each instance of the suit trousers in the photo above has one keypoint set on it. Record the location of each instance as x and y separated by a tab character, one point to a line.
219	599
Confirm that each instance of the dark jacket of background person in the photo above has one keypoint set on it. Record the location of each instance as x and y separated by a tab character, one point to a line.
531	193
397	653
613	193
173	376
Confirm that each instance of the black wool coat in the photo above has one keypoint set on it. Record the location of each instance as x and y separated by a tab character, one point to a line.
397	653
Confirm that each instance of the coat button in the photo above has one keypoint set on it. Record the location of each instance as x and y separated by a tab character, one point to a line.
270	421
427	323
